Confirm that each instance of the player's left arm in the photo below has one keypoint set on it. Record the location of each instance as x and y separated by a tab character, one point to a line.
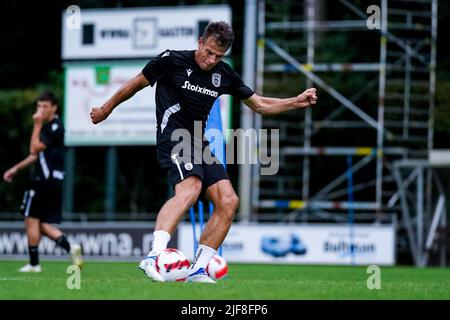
270	106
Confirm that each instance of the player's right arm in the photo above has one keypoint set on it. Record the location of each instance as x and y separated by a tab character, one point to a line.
36	146
11	172
125	92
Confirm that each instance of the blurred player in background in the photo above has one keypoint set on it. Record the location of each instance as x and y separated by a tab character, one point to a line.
42	202
188	84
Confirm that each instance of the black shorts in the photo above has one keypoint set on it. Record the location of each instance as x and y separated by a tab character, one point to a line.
43	201
174	158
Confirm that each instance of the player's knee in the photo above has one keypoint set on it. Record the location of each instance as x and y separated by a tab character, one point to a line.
235	202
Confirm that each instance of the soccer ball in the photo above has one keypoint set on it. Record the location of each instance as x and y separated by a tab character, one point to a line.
217	268
173	265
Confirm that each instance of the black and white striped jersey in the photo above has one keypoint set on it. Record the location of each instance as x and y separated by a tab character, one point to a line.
50	163
185	93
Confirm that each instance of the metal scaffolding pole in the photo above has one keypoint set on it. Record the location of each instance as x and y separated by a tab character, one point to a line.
432	89
432	85
247	121
407	93
381	96
420	215
259	89
310	16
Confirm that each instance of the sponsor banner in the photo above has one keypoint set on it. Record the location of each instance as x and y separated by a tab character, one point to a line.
303	244
109	241
90	85
136	32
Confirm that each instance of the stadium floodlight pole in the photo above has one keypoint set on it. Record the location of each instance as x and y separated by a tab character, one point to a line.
247	116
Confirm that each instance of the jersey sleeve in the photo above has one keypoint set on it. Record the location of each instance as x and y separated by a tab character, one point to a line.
237	87
52	135
157	67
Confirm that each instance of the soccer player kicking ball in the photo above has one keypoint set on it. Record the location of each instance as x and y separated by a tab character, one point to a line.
188	84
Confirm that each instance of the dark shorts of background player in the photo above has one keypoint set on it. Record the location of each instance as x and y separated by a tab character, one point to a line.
178	170
43	201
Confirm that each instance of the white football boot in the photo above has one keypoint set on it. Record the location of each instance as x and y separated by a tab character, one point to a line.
30	268
200	276
148	265
76	255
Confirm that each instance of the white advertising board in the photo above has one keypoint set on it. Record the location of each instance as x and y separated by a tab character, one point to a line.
136	32
303	244
87	86
90	85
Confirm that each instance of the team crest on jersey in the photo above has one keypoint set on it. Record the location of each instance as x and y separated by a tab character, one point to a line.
216	77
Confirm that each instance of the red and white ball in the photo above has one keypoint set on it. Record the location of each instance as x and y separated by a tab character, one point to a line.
173	265
217	268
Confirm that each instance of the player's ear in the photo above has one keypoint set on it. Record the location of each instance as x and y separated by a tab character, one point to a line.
200	42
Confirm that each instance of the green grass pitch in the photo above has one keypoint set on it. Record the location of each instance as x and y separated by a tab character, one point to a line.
123	280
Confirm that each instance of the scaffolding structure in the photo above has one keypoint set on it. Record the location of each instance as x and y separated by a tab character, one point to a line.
396	125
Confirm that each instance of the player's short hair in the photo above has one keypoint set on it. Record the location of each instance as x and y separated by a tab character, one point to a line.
222	33
48	96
